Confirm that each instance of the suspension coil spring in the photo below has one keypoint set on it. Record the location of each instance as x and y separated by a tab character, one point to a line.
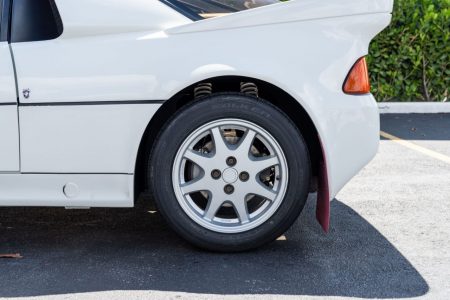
249	88
202	90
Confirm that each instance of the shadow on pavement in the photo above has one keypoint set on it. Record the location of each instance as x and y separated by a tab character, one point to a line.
131	249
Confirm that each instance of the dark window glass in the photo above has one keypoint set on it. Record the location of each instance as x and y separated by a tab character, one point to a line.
211	8
35	20
4	18
1	13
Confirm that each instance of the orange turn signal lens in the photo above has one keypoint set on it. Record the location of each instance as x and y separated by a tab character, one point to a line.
358	82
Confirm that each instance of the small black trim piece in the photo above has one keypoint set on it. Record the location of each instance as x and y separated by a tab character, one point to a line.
8	103
94	103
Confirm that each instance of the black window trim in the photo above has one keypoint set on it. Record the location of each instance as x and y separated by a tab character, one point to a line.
5	21
187	11
41	23
182	9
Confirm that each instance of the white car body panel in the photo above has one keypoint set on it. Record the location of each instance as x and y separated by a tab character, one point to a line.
142	50
9	124
91	61
82	139
7	81
111	17
93	190
9	139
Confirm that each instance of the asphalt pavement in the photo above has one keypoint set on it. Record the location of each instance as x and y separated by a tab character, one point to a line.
389	238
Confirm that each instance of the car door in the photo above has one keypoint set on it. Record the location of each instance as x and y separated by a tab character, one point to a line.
9	127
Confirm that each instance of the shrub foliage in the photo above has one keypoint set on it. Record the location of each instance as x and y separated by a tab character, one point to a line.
409	61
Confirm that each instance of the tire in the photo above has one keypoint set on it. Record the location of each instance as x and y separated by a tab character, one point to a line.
267	212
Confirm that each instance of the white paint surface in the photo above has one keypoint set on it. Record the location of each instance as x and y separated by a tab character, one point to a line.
9	125
151	53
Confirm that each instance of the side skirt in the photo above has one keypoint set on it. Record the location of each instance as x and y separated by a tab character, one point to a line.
67	190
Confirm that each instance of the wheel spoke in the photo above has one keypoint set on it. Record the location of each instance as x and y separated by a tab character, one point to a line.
198	158
259	189
241	209
213	207
246	143
195	185
220	144
261	163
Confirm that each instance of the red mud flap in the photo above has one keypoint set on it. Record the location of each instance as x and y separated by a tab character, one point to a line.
323	198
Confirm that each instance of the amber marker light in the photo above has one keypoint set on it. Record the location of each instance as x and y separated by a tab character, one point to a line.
357	81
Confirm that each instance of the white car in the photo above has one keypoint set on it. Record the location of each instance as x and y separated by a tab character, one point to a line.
230	112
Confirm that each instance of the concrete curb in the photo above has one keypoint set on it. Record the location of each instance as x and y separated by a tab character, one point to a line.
414	107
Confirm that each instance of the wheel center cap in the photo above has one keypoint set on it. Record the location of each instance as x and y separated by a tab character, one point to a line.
230	175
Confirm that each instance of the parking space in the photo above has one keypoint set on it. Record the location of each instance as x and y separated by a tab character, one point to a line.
427	130
389	238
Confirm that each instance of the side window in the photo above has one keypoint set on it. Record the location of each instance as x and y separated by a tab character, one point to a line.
35	20
4	19
3	35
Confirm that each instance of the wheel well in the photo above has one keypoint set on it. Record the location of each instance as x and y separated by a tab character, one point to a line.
251	86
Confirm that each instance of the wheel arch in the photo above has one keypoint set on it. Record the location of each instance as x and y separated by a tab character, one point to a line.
267	91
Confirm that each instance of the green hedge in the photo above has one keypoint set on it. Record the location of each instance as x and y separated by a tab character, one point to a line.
409	61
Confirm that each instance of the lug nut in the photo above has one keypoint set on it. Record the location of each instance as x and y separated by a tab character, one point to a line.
231	161
244	176
216	174
229	189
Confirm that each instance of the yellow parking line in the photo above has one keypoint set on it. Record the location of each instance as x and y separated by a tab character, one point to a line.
416	148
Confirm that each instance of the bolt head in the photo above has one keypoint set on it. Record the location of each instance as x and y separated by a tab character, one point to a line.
216	174
229	189
231	161
244	176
